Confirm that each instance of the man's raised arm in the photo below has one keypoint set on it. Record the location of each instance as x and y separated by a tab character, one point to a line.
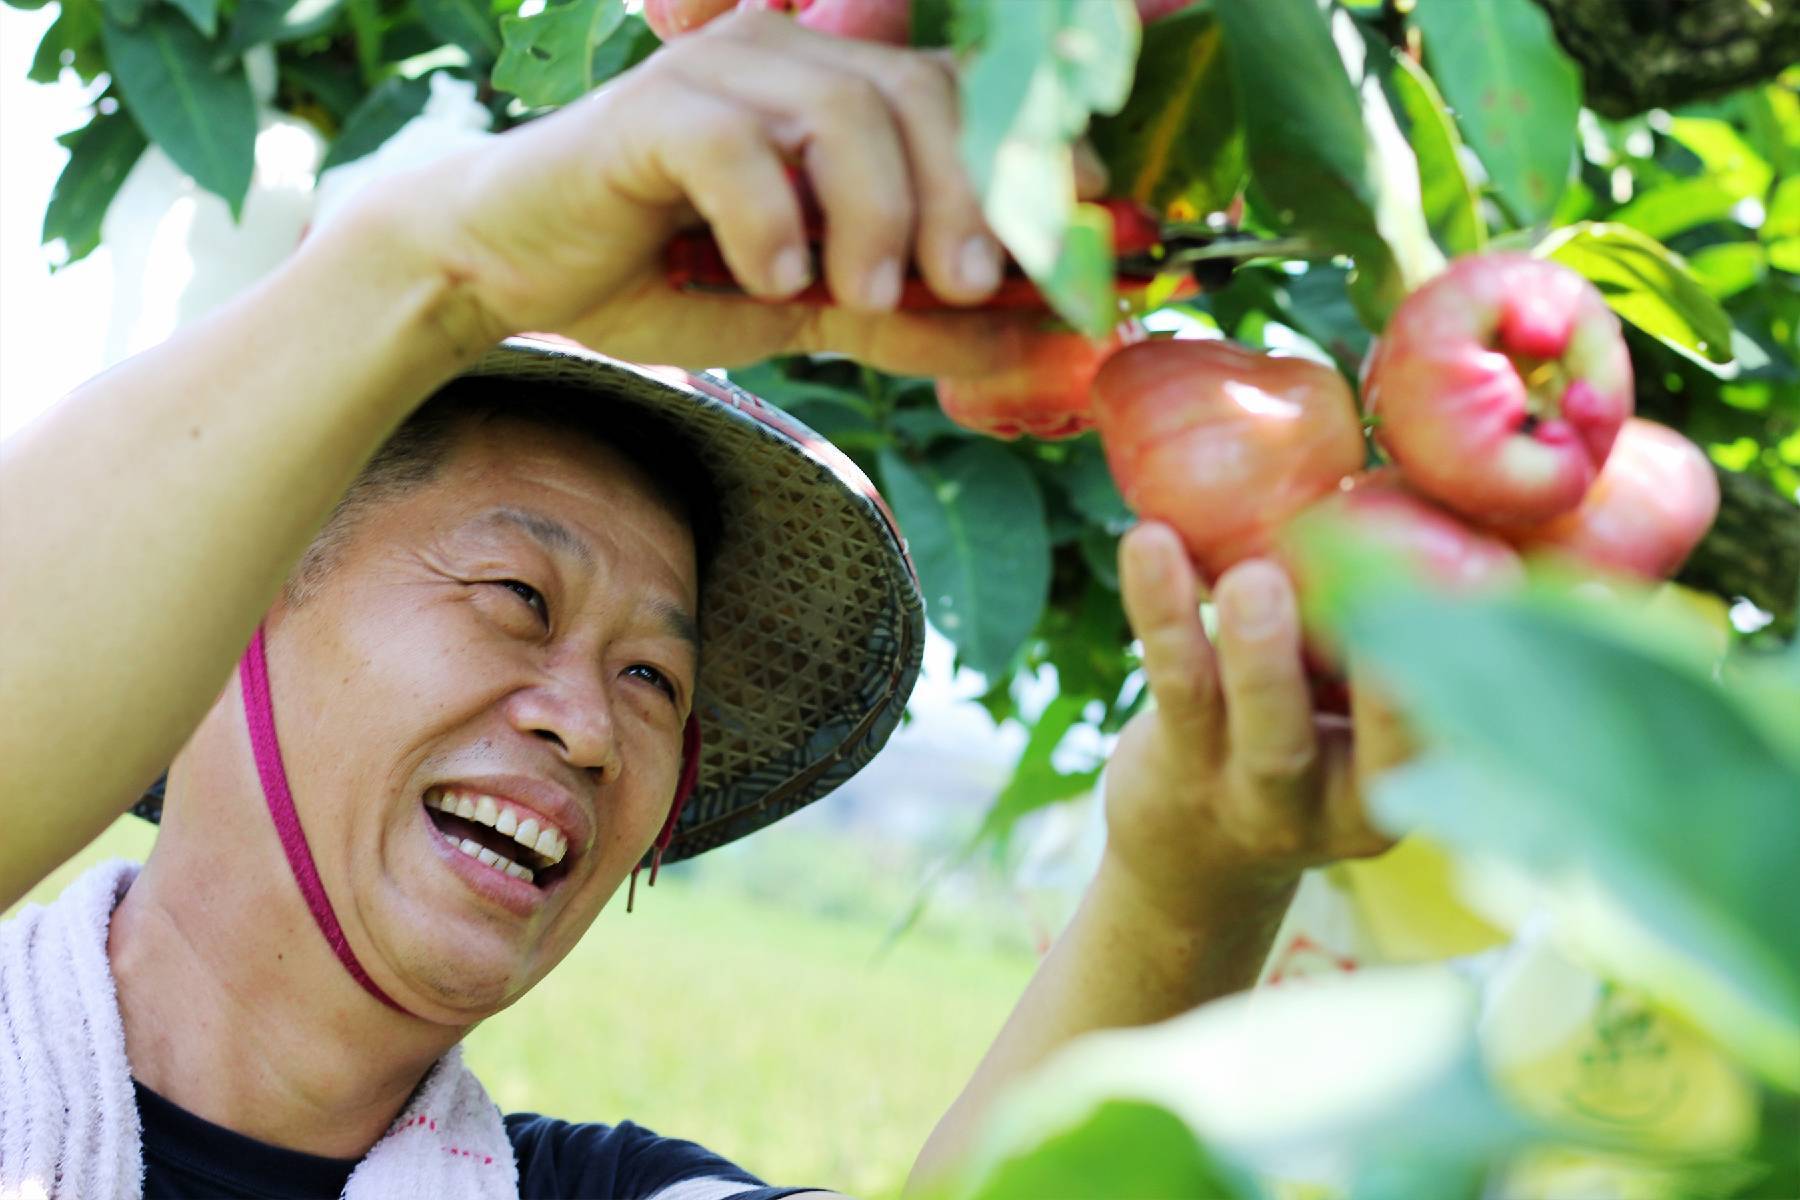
1217	797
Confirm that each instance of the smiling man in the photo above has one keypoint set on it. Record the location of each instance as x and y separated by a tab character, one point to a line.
439	634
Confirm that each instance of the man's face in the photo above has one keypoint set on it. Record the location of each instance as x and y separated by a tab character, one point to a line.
512	642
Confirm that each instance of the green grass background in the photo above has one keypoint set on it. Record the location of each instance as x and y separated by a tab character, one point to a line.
748	1005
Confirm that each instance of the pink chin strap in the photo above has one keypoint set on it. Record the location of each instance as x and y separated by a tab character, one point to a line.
259	714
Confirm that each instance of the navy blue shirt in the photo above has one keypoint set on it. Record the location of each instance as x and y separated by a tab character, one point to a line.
187	1157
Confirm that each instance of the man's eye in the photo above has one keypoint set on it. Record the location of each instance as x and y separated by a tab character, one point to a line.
533	598
656	677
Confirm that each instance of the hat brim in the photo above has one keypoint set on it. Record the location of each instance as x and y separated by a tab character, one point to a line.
812	625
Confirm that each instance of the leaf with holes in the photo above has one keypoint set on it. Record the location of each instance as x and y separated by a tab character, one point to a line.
1515	93
202	114
548	59
974	521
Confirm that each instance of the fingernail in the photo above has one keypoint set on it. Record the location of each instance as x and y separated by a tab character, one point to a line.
979	264
881	289
1256	601
792	270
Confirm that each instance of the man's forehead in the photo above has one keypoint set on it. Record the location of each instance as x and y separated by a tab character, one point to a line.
557	537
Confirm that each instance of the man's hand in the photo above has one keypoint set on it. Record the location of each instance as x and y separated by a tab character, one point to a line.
560	226
1230	782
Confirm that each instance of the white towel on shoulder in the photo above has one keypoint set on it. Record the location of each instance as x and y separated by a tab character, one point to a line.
68	1114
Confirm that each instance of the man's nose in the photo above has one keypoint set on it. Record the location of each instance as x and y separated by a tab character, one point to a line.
574	712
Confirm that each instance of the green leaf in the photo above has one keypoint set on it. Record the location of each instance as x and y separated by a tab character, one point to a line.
1089	482
1452	206
1120	1148
932	22
1782	221
334	85
1514	91
1381	1067
1178	136
258	21
1027	92
203	13
203	116
127	12
1725	156
1647	284
974	521
465	23
27	5
100	155
379	116
1082	278
1572	742
548	59
1676	207
631	43
1327	159
1036	783
73	41
1728	268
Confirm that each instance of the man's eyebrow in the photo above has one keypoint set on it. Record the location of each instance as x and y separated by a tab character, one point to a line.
677	620
548	532
555	536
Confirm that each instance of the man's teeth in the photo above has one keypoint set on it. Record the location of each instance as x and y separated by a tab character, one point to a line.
485	810
499	862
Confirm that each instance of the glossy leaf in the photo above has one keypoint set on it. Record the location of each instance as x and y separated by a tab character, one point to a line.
465	23
101	154
1038	72
1120	1148
1499	685
1178	136
1514	91
974	521
380	115
72	41
203	13
1380	1067
548	59
258	21
1036	781
1646	284
202	114
1452	206
1327	160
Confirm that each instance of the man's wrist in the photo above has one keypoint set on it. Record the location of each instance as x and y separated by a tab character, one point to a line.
399	254
1214	931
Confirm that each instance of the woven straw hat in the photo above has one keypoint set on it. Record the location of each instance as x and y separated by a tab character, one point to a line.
811	622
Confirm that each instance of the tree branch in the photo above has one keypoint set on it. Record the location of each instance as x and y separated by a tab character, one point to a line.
1642	54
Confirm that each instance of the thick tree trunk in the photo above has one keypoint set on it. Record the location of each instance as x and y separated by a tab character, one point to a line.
1753	550
1641	54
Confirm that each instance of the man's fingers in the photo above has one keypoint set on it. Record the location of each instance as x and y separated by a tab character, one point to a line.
957	255
840	125
1162	602
1268	707
1384	737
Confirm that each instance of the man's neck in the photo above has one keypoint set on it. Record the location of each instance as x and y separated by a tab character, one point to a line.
258	1028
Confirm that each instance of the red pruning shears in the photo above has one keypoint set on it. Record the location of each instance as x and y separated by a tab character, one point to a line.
1144	249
